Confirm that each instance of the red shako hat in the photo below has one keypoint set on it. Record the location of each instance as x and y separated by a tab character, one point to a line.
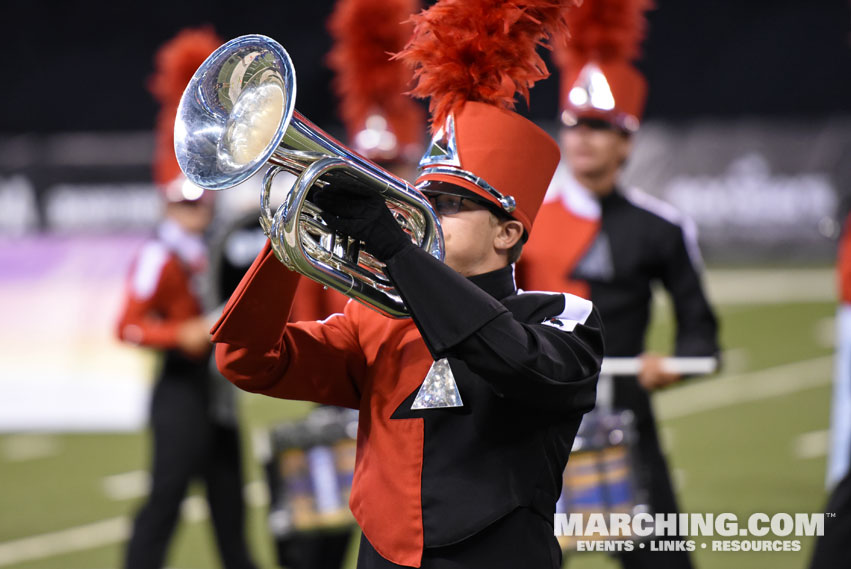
174	65
382	122
598	79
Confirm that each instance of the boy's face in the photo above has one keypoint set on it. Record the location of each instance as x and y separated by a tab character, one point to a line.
469	236
594	151
193	217
472	234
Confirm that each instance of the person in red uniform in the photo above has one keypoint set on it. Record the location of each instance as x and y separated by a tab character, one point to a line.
832	548
611	244
194	428
468	409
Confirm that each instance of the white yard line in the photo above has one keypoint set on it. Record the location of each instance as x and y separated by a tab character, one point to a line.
114	530
715	392
257	494
127	485
89	536
825	332
771	286
814	444
23	447
194	509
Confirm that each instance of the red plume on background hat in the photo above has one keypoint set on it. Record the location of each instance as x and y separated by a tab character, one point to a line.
174	64
471	58
382	122
597	78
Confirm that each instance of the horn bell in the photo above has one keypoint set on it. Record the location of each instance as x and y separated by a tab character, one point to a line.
234	112
237	116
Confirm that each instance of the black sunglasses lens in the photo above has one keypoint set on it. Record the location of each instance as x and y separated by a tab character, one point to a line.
595	124
445	204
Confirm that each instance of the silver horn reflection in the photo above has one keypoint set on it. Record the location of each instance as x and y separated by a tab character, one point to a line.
238	115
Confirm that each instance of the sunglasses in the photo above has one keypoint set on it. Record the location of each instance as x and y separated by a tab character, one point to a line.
594	124
450	204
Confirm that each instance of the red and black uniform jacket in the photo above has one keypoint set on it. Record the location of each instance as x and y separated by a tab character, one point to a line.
162	293
612	251
526	367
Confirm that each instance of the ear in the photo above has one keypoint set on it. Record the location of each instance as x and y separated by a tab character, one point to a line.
509	232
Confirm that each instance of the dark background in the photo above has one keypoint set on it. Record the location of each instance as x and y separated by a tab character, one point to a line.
82	66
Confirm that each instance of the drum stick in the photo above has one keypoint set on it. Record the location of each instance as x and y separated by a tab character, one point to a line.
683	366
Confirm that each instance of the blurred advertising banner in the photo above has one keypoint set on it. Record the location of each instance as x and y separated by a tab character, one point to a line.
758	190
93	183
61	366
74	211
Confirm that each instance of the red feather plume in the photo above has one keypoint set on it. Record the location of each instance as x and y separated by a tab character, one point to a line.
366	33
481	50
606	30
174	64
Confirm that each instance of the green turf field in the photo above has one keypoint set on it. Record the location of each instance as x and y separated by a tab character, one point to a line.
747	441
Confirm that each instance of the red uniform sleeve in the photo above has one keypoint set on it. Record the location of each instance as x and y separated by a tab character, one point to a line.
159	299
259	352
843	263
314	302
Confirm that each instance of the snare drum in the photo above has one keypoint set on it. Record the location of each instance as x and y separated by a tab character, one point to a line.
310	472
601	476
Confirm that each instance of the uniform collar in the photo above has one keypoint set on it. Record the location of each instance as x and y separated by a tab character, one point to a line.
188	246
499	283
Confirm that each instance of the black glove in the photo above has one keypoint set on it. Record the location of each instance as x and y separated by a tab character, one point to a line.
364	216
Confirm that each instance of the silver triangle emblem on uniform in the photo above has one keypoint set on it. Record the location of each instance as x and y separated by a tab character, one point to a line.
439	389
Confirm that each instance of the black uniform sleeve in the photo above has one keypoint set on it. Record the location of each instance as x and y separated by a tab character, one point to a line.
541	365
697	326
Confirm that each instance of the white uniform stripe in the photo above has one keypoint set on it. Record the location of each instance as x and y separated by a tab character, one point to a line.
671	214
146	275
573	196
576	310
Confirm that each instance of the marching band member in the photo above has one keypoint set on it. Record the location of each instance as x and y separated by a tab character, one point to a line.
832	548
610	244
839	456
468	409
192	420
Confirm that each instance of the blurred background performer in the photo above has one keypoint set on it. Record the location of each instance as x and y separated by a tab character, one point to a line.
610	244
840	416
471	481
192	418
386	126
382	123
832	549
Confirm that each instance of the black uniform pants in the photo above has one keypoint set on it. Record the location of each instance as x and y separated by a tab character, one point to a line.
833	549
654	470
188	445
522	539
324	550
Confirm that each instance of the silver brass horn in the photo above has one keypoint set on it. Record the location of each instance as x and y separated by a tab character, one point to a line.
237	115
